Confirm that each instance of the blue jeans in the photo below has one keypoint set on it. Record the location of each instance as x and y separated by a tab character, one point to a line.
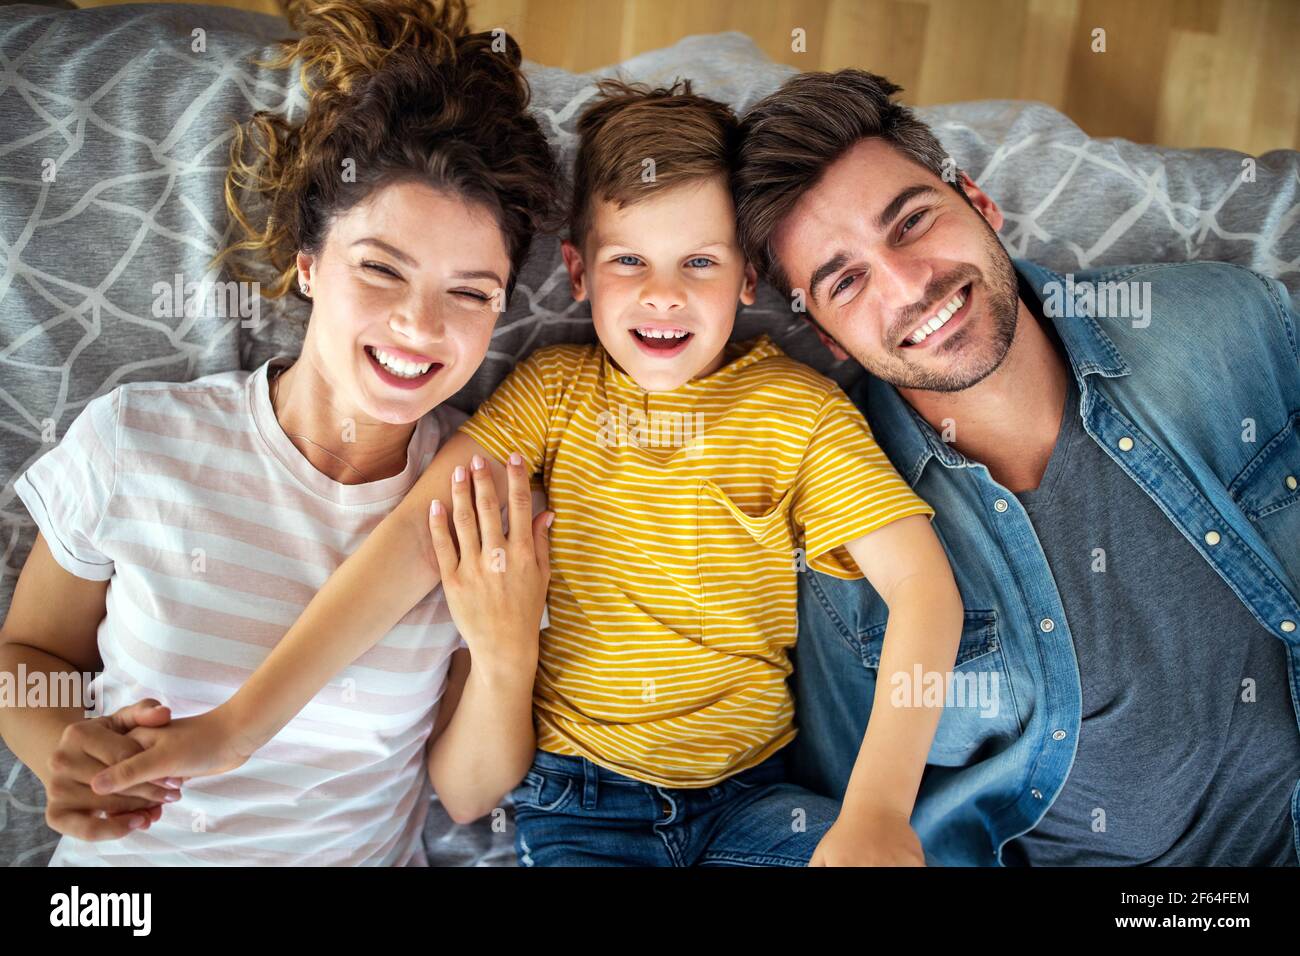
572	812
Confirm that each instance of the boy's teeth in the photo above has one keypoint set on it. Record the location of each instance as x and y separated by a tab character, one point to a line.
939	321
400	367
662	333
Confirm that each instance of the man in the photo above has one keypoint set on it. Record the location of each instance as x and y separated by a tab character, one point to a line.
1113	457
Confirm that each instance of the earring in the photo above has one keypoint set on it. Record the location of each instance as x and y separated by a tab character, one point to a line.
302	284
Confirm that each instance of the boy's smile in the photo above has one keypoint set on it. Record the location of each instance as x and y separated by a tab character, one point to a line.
662	341
664	276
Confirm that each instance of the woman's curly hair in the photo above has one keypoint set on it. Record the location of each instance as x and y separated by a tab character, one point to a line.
402	90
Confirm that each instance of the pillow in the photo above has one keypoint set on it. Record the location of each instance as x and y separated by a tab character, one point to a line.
114	128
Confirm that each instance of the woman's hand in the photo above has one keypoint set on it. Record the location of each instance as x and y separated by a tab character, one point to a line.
874	838
188	747
495	584
84	750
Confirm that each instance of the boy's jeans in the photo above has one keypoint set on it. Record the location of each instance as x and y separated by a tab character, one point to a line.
572	812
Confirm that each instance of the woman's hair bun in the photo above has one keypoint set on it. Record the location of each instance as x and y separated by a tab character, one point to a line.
397	89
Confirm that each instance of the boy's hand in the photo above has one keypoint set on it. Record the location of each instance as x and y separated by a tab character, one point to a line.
875	838
495	584
189	747
85	748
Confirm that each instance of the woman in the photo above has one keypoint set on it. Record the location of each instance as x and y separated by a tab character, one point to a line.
184	526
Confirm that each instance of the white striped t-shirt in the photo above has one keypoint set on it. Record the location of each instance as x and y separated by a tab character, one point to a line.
214	532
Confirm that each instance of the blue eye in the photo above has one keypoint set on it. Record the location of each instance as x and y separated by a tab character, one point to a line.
704	260
628	260
842	285
911	221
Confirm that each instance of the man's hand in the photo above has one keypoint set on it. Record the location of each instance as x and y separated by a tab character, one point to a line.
874	838
495	584
84	750
189	747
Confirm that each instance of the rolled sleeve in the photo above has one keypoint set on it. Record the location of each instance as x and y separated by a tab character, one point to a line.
846	488
67	490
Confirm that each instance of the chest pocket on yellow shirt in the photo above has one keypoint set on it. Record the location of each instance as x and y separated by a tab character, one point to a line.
746	566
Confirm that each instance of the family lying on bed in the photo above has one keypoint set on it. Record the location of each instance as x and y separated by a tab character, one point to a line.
1061	515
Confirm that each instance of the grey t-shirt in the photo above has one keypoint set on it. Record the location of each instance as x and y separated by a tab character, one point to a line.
1189	748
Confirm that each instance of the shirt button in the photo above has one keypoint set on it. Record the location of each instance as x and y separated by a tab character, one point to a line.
1000	505
1058	735
1288	626
1038	794
1212	537
668	809
1126	444
1291	482
1046	624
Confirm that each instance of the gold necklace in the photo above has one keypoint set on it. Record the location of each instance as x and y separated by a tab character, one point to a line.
275	392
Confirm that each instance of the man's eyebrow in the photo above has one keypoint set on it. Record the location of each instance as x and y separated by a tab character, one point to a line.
824	271
887	215
390	249
896	204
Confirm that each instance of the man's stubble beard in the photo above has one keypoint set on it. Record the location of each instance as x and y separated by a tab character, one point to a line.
1002	302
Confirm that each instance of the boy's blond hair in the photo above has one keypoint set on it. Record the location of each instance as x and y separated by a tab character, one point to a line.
635	140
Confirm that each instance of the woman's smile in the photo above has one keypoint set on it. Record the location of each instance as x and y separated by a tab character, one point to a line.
400	369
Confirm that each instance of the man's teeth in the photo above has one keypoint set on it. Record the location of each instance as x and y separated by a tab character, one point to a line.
663	333
939	321
400	367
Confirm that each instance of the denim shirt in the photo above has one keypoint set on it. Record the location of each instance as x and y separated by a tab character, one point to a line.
1199	403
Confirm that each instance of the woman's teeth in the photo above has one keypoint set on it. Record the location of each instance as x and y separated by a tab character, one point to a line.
400	367
939	321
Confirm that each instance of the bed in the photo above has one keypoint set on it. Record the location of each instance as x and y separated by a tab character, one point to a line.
134	119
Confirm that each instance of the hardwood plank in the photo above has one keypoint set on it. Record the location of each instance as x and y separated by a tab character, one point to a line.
1179	72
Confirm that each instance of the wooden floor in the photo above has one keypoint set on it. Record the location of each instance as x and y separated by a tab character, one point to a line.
1175	72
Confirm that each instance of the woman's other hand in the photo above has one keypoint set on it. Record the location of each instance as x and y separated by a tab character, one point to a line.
85	748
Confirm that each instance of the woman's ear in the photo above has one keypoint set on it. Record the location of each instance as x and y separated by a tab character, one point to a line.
749	290
306	264
577	272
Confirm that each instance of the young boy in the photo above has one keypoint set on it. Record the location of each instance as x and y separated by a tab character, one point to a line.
691	479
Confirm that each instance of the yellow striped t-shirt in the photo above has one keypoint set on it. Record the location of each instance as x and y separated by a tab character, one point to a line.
673	551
